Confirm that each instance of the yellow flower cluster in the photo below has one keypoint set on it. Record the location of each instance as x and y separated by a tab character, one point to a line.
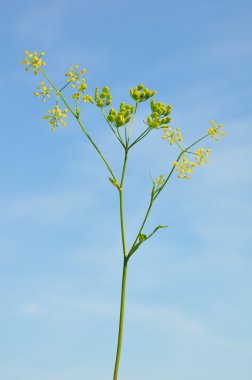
160	115
141	93
43	92
103	99
185	168
56	117
202	155
122	117
172	135
215	129
33	61
75	76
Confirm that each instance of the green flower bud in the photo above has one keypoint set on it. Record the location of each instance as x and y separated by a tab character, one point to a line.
111	118
155	124
105	90
152	104
100	103
96	94
120	120
136	95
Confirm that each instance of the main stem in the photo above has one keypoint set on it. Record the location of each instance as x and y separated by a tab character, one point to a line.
124	274
121	321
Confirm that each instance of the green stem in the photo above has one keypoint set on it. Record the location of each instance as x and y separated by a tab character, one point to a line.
80	124
121	321
112	129
96	148
142	226
140	137
125	261
121	203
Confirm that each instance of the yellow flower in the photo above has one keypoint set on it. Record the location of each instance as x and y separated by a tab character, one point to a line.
185	168
172	135
202	155
43	92
215	129
75	76
88	98
56	117
33	61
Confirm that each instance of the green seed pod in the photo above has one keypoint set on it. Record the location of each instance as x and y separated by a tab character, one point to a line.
120	120
96	94
152	104
167	120
155	124
140	87
136	95
105	90
100	103
111	118
149	120
113	112
102	95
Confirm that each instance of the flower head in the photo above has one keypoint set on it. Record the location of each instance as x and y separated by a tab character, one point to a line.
122	117
103	99
202	155
141	93
184	168
172	135
160	115
215	130
56	117
43	92
76	77
33	61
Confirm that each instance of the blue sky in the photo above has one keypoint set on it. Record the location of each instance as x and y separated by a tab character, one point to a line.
188	310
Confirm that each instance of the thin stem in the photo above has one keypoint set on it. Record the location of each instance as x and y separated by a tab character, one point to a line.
142	225
80	124
62	88
125	261
112	129
155	194
96	148
121	204
121	320
196	142
140	137
133	121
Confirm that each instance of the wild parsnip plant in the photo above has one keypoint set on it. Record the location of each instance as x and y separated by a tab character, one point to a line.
121	124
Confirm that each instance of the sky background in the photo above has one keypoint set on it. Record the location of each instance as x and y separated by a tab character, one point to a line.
189	296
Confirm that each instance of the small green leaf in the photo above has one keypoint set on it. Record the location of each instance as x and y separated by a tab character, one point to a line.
142	238
114	183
